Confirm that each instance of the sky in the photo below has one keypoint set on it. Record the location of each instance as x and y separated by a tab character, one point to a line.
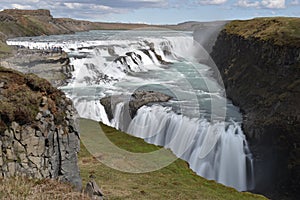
159	11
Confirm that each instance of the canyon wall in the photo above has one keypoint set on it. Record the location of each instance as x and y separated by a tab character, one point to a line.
259	62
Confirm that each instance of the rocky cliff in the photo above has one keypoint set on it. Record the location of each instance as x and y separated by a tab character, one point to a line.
39	136
15	23
259	62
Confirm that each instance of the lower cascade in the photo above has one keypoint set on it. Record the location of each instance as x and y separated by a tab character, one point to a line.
217	151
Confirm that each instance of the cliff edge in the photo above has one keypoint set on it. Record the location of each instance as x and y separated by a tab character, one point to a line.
259	62
39	136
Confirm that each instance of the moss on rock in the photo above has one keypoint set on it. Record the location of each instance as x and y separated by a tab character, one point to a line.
21	96
278	30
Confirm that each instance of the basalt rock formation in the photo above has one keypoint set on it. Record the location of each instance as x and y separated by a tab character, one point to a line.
39	136
259	62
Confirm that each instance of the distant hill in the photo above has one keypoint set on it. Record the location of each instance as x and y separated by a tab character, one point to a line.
15	23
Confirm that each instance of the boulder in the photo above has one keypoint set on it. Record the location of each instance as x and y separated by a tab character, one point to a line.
138	99
93	190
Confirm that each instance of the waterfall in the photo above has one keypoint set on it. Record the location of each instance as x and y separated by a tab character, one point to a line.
216	151
91	109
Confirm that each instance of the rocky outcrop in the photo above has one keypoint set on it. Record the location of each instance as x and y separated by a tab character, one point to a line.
135	101
39	136
261	71
17	12
93	191
52	65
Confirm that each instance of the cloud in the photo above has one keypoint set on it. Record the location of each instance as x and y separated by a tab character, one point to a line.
212	2
84	9
19	6
127	4
248	4
277	4
295	2
130	4
271	4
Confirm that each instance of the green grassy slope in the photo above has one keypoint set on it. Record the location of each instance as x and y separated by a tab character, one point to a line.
176	181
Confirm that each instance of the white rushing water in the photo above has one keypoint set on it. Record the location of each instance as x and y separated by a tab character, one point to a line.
199	125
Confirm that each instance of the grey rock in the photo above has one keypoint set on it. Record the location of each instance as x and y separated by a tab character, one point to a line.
16	128
38	116
18	147
27	133
10	155
11	166
23	158
31	145
9	133
46	113
93	190
42	149
141	98
44	101
36	161
135	101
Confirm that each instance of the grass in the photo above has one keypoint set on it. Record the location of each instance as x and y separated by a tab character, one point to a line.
5	50
278	30
31	189
175	181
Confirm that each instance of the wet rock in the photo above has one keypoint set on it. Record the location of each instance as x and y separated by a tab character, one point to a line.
135	101
141	98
